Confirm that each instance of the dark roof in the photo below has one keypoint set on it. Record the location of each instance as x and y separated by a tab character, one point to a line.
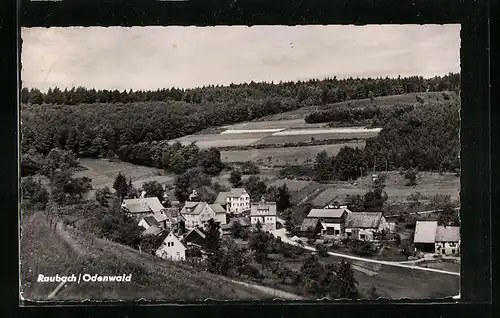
309	224
326	213
150	220
152	230
363	220
243	221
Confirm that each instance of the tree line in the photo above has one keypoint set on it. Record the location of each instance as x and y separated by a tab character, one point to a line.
423	138
329	90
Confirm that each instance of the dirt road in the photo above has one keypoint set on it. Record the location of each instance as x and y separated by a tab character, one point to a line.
282	233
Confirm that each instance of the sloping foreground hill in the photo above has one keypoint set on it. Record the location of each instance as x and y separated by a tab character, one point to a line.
49	248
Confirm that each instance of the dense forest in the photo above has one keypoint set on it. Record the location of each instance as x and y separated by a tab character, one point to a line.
330	90
136	125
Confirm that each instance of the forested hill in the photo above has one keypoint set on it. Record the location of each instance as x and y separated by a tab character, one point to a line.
310	92
134	131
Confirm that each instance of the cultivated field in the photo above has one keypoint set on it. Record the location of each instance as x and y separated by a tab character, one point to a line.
378	101
274	124
283	156
275	133
65	251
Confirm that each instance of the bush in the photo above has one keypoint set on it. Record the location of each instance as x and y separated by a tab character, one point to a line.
362	248
322	250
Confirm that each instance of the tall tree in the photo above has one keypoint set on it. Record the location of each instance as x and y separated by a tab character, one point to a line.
323	170
347	282
283	198
121	186
153	189
235	178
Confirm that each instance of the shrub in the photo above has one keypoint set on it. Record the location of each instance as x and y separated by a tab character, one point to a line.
322	250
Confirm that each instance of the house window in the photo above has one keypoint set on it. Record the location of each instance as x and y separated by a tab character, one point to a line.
362	236
178	253
443	251
337	232
452	251
349	234
452	244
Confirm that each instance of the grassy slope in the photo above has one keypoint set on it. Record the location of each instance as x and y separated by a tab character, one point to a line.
379	101
50	251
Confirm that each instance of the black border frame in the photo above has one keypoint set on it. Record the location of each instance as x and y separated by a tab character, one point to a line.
476	135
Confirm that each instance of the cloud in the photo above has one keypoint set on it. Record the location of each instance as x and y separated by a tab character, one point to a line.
158	57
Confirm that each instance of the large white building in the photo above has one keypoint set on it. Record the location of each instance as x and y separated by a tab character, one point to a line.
236	201
197	214
265	214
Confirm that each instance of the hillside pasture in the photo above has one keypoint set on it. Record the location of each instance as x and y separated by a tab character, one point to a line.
292	185
428	185
103	173
283	156
301	113
50	251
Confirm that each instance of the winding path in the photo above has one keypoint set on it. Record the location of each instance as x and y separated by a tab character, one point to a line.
282	234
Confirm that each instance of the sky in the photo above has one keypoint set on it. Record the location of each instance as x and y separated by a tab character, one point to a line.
148	58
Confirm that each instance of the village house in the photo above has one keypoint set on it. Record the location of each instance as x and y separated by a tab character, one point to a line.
311	227
244	222
265	214
236	201
141	207
153	230
195	237
173	218
197	214
431	238
332	219
148	221
364	225
172	248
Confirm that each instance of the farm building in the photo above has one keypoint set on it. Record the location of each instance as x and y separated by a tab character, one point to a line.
235	201
141	206
244	222
195	237
198	214
431	238
148	221
172	248
311	227
152	230
265	214
172	217
364	225
332	220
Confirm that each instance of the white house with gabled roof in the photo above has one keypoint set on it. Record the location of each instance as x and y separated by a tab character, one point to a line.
197	214
172	248
265	214
236	201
